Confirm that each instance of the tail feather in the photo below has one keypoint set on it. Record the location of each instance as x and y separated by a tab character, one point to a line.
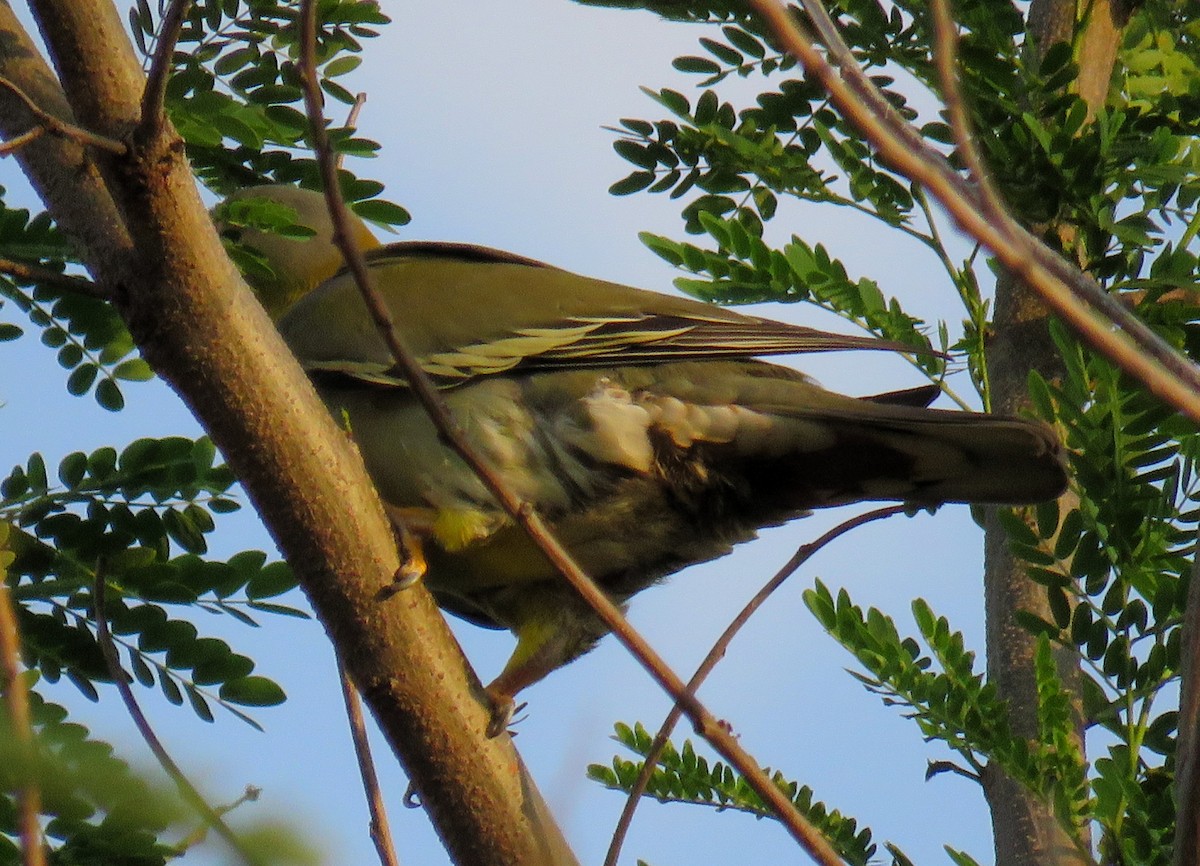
873	451
790	445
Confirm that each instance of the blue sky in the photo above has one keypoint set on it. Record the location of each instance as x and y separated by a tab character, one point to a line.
490	115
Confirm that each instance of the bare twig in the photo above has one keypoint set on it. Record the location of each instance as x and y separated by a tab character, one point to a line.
381	834
522	512
945	55
360	99
12	685
804	553
1187	768
936	767
19	141
1099	319
191	840
160	67
188	791
59	127
45	276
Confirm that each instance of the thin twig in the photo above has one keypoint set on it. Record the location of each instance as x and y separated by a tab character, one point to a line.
16	699
61	127
189	792
522	512
381	833
197	836
360	99
45	276
1099	319
804	553
936	767
1187	768
945	56
154	95
19	141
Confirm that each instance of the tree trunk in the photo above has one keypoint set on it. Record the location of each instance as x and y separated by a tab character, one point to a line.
1025	828
1026	831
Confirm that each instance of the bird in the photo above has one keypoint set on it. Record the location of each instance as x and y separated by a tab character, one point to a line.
645	429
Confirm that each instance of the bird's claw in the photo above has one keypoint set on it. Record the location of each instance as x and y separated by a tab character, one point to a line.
503	710
412	554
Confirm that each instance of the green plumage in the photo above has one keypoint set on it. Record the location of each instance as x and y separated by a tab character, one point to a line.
642	427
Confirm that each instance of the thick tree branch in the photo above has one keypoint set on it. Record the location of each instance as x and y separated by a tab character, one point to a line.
97	67
200	328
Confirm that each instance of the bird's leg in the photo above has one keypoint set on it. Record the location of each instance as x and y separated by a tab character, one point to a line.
540	649
411	525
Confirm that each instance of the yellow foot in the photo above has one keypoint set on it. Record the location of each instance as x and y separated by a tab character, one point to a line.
410	524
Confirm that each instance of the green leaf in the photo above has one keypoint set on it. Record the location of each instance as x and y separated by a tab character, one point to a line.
700	65
253	691
635	182
383	212
109	395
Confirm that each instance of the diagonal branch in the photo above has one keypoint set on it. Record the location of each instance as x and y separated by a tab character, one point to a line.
58	126
522	512
804	553
47	277
22	139
381	833
1099	319
187	790
160	67
945	56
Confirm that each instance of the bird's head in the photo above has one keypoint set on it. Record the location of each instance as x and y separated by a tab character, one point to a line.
283	240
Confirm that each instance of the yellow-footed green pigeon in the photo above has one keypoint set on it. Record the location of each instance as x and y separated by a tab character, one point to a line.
641	426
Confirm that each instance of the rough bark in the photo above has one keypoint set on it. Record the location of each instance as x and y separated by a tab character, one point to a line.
1187	768
1025	829
200	328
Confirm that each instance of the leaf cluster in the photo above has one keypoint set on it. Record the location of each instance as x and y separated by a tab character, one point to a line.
235	94
89	339
683	776
118	518
98	810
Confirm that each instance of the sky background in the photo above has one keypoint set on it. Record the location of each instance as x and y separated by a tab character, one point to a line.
491	118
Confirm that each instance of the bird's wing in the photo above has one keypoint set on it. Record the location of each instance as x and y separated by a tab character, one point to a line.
469	311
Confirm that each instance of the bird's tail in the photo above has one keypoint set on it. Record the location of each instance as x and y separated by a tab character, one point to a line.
851	450
795	446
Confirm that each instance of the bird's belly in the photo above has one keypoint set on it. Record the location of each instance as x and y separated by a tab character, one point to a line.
624	526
